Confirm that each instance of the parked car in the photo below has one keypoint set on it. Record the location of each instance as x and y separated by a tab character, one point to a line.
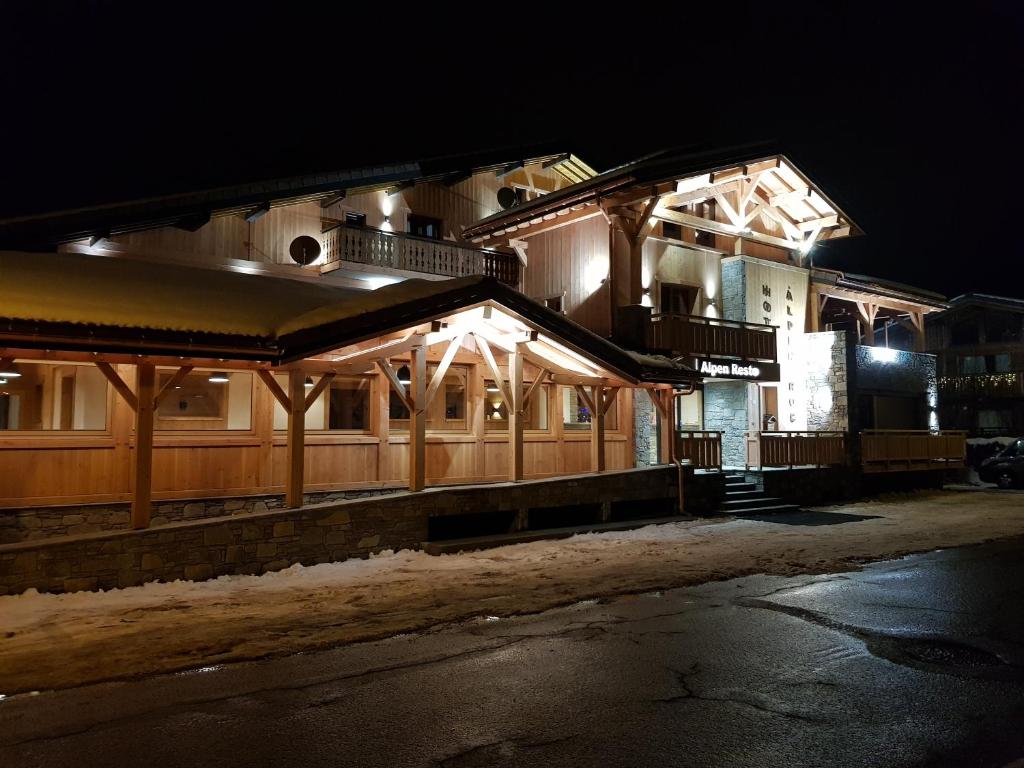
1006	468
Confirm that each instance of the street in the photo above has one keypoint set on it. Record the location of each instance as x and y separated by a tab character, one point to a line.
917	661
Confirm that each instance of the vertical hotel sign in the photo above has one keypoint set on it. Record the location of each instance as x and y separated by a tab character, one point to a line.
777	295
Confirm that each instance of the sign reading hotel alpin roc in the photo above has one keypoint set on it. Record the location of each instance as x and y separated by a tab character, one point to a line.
716	368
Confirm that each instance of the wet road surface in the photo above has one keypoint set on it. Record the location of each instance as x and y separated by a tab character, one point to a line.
912	662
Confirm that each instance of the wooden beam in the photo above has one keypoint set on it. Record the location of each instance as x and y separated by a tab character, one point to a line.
118	384
542	224
707	225
442	369
333	199
296	447
317	390
142	459
609	397
396	385
516	416
537	381
418	419
374	353
585	397
492	366
174	381
275	389
597	456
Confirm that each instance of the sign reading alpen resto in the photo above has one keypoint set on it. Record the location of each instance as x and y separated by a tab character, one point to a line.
717	368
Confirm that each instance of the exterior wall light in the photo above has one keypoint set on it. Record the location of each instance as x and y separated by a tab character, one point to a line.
308	383
404	376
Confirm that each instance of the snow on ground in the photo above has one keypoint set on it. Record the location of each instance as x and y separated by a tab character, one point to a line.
62	640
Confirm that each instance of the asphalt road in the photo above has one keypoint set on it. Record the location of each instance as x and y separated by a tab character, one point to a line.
912	662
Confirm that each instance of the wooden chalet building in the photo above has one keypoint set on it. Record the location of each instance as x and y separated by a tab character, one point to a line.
449	321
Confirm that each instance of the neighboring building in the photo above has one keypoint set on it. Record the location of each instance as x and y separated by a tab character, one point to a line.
979	343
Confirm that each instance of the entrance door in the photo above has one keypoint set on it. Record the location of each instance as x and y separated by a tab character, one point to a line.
769	408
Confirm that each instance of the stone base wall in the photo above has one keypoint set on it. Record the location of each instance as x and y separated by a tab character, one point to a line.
645	432
259	542
828	399
820	486
725	409
34	523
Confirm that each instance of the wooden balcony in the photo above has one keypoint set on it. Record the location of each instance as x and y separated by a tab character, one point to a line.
890	450
390	250
1009	384
795	449
679	335
702	450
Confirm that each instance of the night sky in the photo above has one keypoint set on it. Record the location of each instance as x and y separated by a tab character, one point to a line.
909	118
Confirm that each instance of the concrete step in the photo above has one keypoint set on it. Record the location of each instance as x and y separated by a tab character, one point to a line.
743	505
521	537
765	510
745	492
734	479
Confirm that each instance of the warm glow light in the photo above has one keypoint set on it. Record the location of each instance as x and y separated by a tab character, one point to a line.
10	371
379	282
493	388
218	378
594	275
883	354
308	383
404	375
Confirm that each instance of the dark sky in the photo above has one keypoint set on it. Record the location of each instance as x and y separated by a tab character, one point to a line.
909	117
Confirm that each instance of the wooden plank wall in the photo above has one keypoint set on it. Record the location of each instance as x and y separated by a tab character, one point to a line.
41	469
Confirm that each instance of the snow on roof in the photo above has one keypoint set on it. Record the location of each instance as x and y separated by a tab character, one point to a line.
105	291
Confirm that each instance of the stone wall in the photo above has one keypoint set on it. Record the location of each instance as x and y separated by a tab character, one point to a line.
884	370
645	432
734	290
725	409
268	541
826	380
33	523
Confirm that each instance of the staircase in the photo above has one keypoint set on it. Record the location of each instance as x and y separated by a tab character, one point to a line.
743	498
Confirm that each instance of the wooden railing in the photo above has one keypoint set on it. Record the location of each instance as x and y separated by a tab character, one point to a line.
1009	384
702	450
375	248
795	449
694	335
894	450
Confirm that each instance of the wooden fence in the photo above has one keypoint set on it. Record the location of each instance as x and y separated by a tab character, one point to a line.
692	334
892	450
702	450
795	449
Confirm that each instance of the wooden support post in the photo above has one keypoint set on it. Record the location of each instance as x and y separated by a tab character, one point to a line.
142	464
597	429
296	438
813	309
418	418
516	415
917	319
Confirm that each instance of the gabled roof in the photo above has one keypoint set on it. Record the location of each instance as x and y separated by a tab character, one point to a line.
191	210
78	302
649	172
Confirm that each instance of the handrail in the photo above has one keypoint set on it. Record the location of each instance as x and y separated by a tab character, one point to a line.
702	448
718	321
402	251
697	335
793	448
901	450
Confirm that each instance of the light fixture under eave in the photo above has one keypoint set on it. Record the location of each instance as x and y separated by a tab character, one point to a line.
9	370
493	388
218	378
404	375
308	383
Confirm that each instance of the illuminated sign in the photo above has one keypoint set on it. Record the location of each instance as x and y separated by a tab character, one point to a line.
714	368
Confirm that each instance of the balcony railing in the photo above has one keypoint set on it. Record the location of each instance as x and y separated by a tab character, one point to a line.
681	335
1009	384
795	449
702	450
375	248
892	450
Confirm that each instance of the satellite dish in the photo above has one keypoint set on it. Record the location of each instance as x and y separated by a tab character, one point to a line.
507	198
304	250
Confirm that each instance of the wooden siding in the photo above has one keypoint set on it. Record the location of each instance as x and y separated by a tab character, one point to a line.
67	468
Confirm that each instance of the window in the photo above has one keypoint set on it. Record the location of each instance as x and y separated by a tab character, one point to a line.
344	406
446	412
672	230
424	226
972	364
576	414
678	299
58	397
354	219
554	302
205	400
1001	363
496	413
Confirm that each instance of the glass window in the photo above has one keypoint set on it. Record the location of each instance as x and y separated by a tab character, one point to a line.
972	364
49	396
446	412
1001	363
577	416
344	406
205	400
496	414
